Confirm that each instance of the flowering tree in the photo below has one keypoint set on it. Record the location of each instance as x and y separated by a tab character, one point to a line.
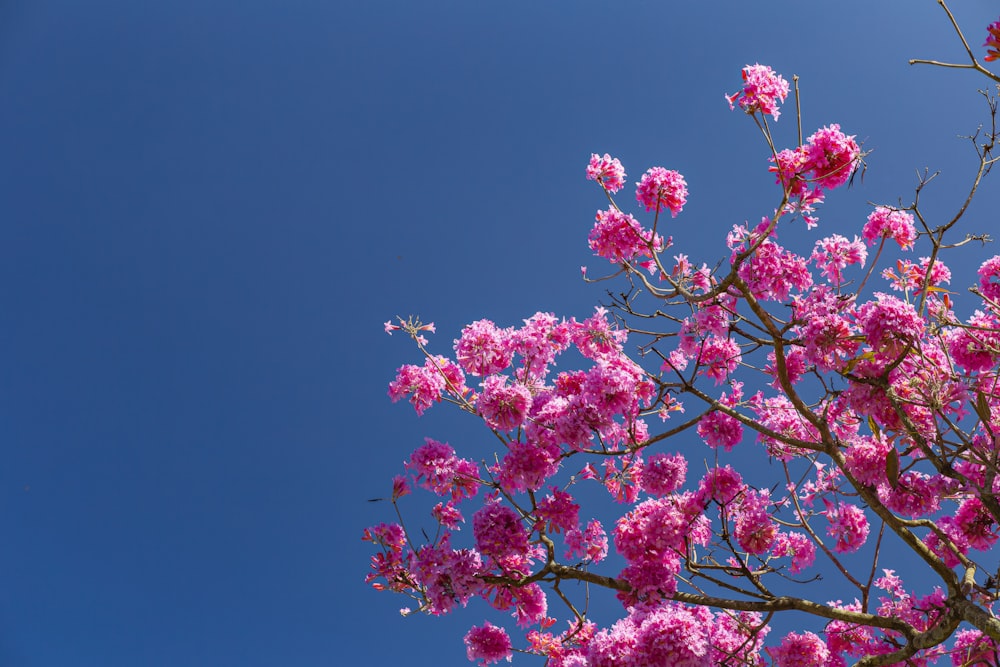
877	404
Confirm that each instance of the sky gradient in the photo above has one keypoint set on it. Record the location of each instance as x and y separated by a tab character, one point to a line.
210	208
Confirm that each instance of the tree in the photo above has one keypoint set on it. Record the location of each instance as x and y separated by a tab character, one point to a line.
875	397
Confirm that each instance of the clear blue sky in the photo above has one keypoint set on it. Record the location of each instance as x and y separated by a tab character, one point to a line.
209	208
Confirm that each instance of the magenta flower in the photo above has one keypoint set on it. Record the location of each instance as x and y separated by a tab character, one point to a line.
661	188
663	474
762	90
607	171
805	650
848	525
890	223
488	643
992	43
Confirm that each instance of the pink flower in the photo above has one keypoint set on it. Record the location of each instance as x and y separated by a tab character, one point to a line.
439	470
527	466
771	272
762	90
891	224
660	188
834	253
805	650
972	647
607	171
992	42
989	278
488	643
889	323
719	357
721	485
503	406
448	515
832	156
755	531
848	526
796	545
483	348
558	512
499	531
663	474
423	385
590	544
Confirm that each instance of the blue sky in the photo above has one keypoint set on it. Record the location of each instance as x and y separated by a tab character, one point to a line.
209	209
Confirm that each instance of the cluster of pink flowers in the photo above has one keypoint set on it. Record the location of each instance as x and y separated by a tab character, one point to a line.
438	469
805	650
992	42
488	643
425	384
619	237
660	189
826	161
771	272
888	223
848	526
762	91
835	253
675	635
607	171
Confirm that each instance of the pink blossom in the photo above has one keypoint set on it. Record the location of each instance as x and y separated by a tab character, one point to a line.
832	156
972	647
913	495
499	531
447	515
527	466
718	429
660	189
721	485
795	366
976	348
762	90
558	511
865	459
607	171
447	575
719	357
798	546
976	524
663	474
591	544
834	253
596	337
771	272
488	643
989	279
755	530
805	650
423	385
848	526
892	224
889	324
503	406
992	42
539	341
618	237
483	348
439	470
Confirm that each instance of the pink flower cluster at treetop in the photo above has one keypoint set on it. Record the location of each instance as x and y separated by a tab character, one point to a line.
723	439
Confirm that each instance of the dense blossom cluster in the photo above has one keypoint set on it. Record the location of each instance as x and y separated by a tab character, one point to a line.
878	404
763	91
